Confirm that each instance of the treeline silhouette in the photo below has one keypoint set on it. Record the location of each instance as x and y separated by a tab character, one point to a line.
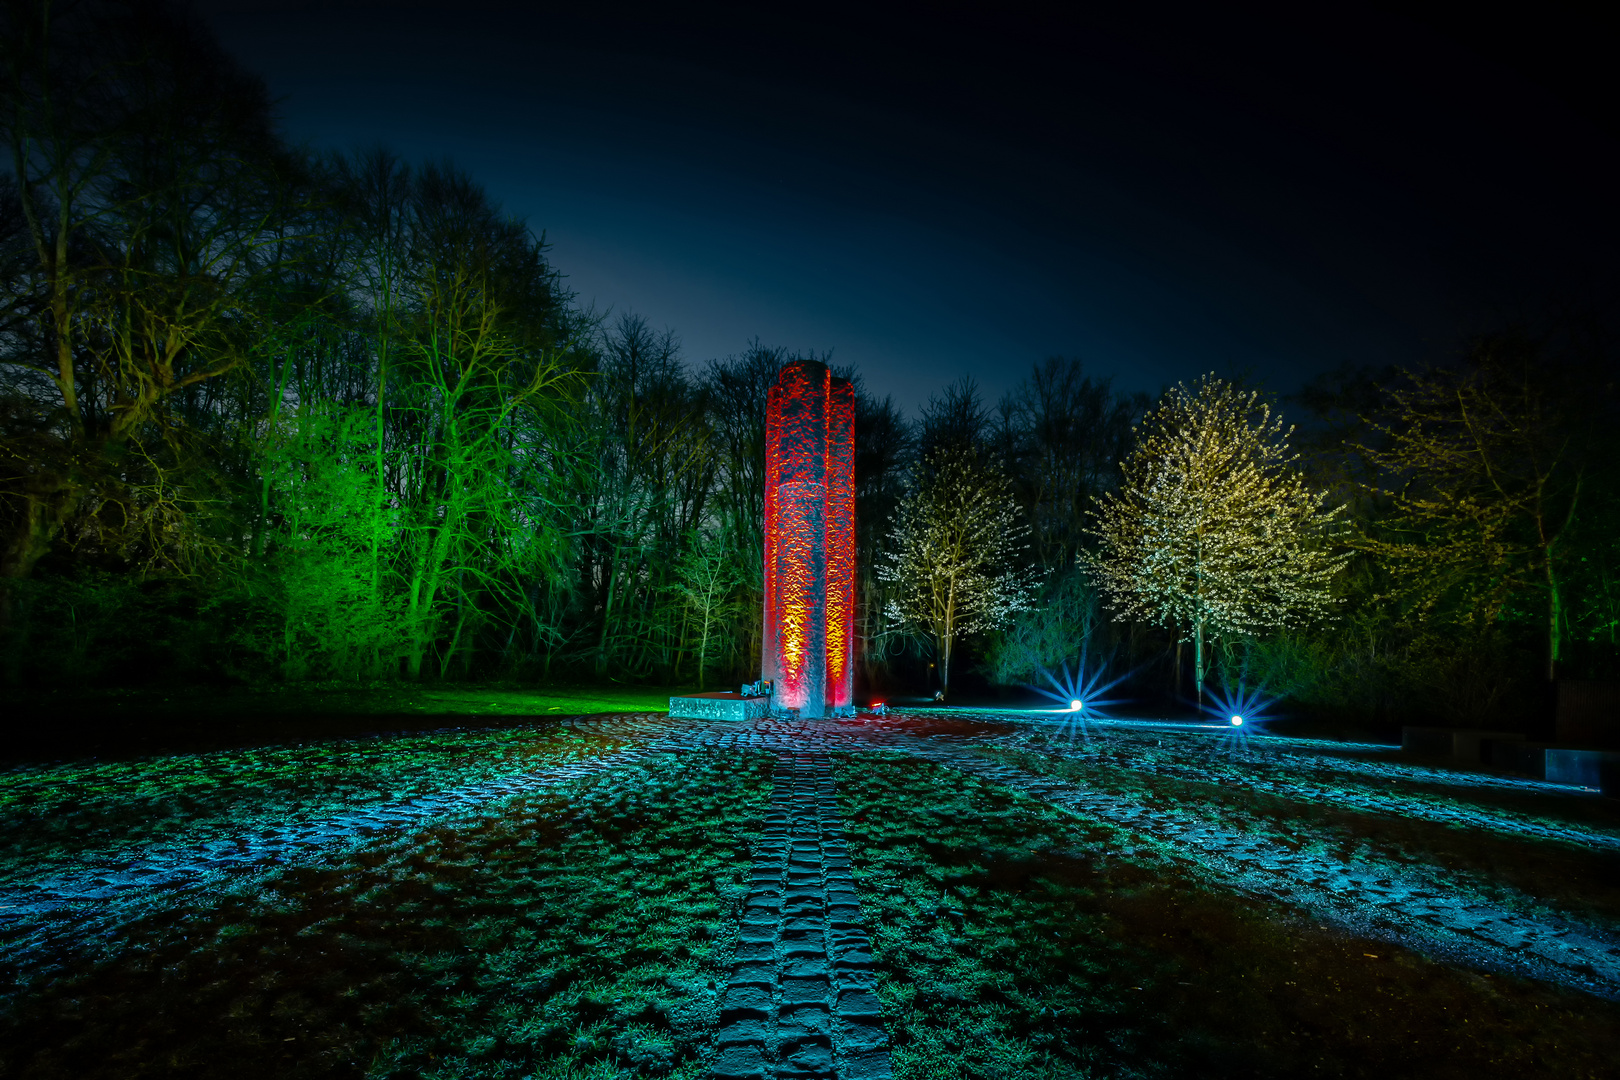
273	415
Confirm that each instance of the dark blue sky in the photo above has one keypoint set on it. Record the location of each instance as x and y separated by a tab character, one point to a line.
1160	195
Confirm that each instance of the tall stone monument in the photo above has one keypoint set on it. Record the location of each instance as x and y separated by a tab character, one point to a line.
808	650
807	657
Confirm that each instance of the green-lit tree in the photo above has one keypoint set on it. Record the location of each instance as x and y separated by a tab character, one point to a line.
953	558
158	210
707	580
1487	464
1213	530
333	516
482	381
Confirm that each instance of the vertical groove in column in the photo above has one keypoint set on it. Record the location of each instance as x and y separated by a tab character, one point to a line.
801	1003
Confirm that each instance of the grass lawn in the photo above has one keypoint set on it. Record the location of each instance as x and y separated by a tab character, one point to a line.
67	812
383	699
53	725
581	932
488	701
1016	940
454	899
1514	872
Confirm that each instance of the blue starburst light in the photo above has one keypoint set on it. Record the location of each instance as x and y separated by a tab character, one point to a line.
1081	695
1239	710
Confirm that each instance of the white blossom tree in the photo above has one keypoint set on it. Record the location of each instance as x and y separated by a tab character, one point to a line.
953	553
1213	530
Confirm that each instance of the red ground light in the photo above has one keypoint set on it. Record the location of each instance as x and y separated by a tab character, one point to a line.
810	540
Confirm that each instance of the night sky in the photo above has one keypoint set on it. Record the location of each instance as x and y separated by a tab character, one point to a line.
1160	194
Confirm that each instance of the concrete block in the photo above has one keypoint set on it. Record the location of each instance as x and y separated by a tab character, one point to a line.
811	923
718	706
859	1003
861	1034
844	916
763	974
802	1019
808	1056
801	943
757	950
1518	756
1609	778
854	977
1476	746
744	1029
1578	768
1459	744
807	968
761	931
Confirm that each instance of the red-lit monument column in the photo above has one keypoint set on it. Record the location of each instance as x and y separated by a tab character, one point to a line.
810	541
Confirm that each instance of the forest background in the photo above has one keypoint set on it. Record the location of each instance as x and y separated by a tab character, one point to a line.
267	416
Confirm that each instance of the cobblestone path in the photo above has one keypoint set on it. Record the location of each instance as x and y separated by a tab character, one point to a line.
801	1002
1422	908
1379	899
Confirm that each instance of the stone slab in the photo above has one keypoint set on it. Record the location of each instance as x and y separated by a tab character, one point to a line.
718	706
1578	768
1459	744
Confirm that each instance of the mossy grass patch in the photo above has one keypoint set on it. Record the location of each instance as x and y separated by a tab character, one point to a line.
1015	939
1516	872
577	933
62	813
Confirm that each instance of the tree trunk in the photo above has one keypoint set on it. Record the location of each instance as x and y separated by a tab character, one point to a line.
703	646
43	515
424	591
1555	596
1555	617
1198	657
607	614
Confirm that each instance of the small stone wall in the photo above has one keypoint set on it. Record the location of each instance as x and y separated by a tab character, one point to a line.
718	707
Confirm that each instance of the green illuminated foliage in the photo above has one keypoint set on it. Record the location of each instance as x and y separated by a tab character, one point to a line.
1486	464
708	581
333	517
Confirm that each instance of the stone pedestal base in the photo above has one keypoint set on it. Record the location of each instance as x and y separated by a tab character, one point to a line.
720	705
842	712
